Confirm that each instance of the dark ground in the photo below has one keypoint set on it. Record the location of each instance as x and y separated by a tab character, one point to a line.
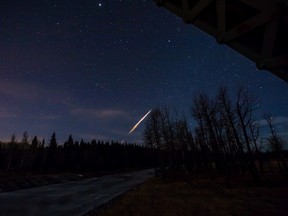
199	195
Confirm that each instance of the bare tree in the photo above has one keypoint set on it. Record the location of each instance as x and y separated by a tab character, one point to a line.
153	136
204	109
229	118
245	108
276	142
254	131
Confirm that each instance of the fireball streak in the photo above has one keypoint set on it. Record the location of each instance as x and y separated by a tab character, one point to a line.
136	125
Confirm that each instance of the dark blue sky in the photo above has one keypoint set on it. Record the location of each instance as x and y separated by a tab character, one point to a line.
93	68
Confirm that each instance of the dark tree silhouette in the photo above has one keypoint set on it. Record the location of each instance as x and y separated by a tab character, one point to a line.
53	142
245	107
225	139
10	150
35	143
276	143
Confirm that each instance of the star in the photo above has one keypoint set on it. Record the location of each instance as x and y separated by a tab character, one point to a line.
79	60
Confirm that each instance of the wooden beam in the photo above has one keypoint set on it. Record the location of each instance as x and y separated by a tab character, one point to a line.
281	73
261	5
221	19
269	38
274	62
185	6
247	26
244	50
205	27
196	10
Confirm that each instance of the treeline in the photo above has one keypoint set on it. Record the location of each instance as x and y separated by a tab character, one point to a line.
72	156
225	138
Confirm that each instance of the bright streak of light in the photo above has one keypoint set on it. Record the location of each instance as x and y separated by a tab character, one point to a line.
136	125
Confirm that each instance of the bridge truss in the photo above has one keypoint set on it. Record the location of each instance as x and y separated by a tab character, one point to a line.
258	29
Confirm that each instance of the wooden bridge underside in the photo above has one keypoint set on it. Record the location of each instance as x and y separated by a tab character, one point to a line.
258	29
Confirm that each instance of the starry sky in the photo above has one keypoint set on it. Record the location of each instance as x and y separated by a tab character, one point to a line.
93	68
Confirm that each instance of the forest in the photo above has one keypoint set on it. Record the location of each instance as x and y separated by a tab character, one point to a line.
72	156
225	140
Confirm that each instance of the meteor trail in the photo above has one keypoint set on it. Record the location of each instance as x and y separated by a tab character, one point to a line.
136	125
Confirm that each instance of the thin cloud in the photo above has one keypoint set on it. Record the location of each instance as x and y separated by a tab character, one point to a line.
18	90
23	91
100	113
279	123
5	114
49	117
278	120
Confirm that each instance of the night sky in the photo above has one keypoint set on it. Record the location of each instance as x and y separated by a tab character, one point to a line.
93	68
